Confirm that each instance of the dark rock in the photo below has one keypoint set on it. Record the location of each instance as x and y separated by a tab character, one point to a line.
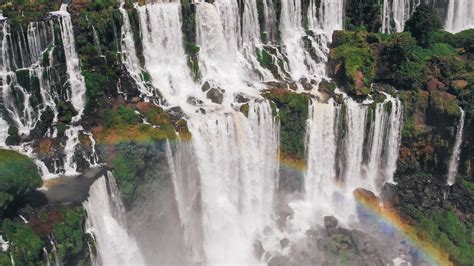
258	249
175	113
215	95
194	101
284	242
242	98
330	223
306	85
206	86
279	260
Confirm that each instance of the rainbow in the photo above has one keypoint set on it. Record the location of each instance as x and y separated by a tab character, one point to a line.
389	215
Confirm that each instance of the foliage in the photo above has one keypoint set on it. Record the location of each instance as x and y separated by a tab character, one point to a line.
410	76
363	14
423	22
293	113
445	230
358	69
22	12
127	165
26	247
18	174
122	117
69	234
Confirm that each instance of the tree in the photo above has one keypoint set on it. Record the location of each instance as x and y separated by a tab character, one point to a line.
423	22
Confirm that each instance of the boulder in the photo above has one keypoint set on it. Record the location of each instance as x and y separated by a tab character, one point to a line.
215	95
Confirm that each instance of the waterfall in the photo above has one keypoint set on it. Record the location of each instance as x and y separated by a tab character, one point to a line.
3	132
395	13
321	184
227	50
19	69
348	148
165	58
76	80
454	161
129	54
187	188
460	15
105	219
307	53
237	163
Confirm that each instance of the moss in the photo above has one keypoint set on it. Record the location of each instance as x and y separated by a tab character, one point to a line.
245	109
358	67
69	234
446	231
26	246
124	124
293	113
22	12
18	174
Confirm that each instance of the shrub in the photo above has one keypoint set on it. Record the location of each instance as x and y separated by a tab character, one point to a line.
18	174
423	22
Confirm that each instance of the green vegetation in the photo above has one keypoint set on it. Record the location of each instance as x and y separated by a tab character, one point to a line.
423	22
127	165
444	229
26	247
69	233
293	113
363	14
21	12
358	67
18	174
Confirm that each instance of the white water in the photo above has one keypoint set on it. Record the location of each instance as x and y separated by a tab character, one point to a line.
187	188
226	59
324	195
3	132
395	13
366	159
105	218
454	161
165	59
460	15
129	54
76	80
301	63
237	162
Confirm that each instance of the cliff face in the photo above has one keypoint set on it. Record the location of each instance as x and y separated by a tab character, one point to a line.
123	127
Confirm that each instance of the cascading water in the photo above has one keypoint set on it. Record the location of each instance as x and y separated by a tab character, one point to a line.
105	219
237	163
227	57
454	161
165	59
395	13
129	54
366	157
307	53
187	188
460	15
77	92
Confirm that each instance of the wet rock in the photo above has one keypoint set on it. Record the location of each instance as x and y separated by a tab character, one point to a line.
175	113
242	98
258	249
215	95
293	86
279	260
330	223
459	84
206	86
306	84
194	101
284	242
